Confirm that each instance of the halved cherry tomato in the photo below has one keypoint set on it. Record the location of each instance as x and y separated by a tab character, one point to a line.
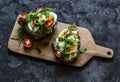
78	36
27	43
68	32
39	9
58	54
22	18
49	23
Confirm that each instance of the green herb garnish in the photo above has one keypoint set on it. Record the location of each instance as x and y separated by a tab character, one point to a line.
38	49
83	50
31	16
21	34
46	11
72	27
60	39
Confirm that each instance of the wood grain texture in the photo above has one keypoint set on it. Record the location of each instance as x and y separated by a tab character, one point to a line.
47	51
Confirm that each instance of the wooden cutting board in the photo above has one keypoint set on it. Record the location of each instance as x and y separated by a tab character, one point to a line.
47	51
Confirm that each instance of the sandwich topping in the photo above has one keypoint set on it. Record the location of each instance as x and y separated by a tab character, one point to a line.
38	23
67	44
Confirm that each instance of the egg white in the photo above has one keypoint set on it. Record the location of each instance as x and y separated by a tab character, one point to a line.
31	28
54	15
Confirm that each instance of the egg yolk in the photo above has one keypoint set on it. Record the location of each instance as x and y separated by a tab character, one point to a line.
50	17
71	47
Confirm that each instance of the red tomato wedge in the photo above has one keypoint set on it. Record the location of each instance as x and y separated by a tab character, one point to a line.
49	23
78	36
68	32
58	54
27	43
23	16
39	9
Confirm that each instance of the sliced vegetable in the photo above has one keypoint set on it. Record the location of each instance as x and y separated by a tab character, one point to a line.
78	36
58	54
27	43
39	9
49	23
22	18
69	32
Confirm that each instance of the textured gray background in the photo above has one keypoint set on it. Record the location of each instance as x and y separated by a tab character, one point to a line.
101	17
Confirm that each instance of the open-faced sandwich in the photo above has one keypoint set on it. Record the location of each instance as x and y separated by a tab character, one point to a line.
39	23
66	45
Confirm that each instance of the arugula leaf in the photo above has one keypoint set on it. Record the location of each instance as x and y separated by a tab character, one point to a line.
21	34
66	56
66	47
83	50
71	27
31	16
48	9
60	39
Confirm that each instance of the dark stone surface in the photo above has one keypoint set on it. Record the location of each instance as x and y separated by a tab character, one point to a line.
101	17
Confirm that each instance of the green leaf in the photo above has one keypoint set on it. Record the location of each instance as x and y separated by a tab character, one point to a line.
31	16
21	34
60	39
66	47
48	9
38	49
66	56
83	50
71	27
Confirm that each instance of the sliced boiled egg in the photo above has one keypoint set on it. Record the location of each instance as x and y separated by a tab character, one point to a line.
42	19
73	48
62	34
32	27
54	15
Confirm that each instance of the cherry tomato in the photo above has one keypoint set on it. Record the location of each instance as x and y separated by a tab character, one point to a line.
78	36
27	43
22	18
68	32
39	9
49	23
58	54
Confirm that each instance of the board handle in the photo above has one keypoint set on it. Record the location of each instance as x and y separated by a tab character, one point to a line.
103	51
